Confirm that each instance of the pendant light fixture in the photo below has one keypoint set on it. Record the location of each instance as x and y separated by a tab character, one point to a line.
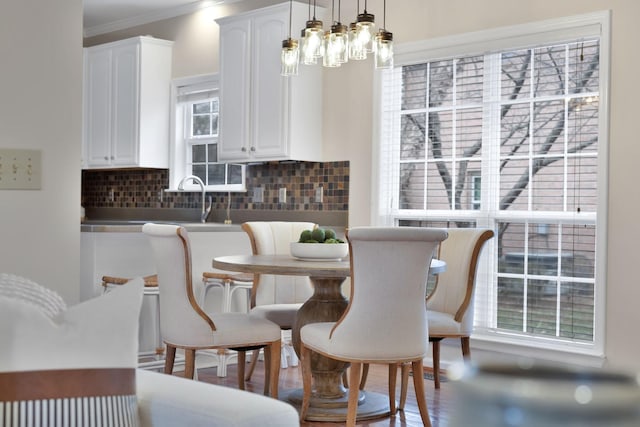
312	48
341	43
384	43
290	52
357	52
365	27
336	42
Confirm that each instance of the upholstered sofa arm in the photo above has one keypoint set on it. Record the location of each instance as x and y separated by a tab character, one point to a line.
167	400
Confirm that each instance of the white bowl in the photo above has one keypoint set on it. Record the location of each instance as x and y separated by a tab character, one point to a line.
319	251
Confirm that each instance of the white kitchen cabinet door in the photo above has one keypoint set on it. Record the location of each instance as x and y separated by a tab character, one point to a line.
125	112
234	91
97	107
127	104
263	115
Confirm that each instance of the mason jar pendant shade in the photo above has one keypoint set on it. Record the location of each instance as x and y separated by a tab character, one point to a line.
290	57
384	49
357	51
365	27
336	46
290	54
312	48
384	43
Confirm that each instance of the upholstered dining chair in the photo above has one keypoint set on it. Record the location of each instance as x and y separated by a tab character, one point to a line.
277	297
386	320
185	325
450	304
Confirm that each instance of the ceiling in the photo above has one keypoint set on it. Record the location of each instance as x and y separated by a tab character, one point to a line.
102	16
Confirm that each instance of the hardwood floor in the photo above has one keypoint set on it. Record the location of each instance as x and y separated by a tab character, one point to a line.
438	401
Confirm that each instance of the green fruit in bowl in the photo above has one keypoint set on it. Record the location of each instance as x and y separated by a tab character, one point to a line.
329	234
318	234
305	236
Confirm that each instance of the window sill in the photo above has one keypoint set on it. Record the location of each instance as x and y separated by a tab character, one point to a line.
559	352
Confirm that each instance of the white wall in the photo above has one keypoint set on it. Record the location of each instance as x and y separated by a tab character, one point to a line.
348	118
41	108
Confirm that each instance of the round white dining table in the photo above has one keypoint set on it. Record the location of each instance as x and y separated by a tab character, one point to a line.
329	397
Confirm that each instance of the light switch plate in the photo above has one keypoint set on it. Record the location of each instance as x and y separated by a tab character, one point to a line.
282	195
319	194
258	195
20	169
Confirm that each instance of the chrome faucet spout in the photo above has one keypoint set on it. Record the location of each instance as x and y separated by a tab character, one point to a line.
206	211
197	180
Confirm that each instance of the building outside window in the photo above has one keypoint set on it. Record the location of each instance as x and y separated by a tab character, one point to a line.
476	190
509	139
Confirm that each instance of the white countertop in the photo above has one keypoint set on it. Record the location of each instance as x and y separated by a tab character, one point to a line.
135	226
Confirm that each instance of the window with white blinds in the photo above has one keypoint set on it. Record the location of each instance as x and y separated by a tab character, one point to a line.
509	138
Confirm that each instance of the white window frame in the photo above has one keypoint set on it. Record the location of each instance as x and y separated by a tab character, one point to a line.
500	39
180	129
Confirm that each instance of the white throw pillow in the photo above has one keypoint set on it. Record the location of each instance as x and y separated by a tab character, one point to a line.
69	367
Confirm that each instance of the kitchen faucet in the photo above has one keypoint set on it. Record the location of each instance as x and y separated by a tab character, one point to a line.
205	210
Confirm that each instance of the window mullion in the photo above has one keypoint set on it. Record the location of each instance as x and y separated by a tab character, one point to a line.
486	316
427	104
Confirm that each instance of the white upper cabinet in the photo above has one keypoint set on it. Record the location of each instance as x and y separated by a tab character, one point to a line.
127	104
263	115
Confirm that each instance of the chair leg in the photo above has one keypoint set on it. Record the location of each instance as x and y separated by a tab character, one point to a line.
169	359
352	406
436	363
254	360
365	374
466	348
242	359
404	382
418	384
189	363
274	350
267	370
305	361
393	377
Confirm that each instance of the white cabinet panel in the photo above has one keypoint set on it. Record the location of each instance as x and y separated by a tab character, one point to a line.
97	113
263	115
234	110
127	103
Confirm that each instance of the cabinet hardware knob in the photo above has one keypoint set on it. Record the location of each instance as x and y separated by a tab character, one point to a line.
253	148
243	149
106	158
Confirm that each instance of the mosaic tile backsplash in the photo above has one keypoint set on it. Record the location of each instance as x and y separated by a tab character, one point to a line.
144	188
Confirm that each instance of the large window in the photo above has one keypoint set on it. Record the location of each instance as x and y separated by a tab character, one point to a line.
197	131
510	139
